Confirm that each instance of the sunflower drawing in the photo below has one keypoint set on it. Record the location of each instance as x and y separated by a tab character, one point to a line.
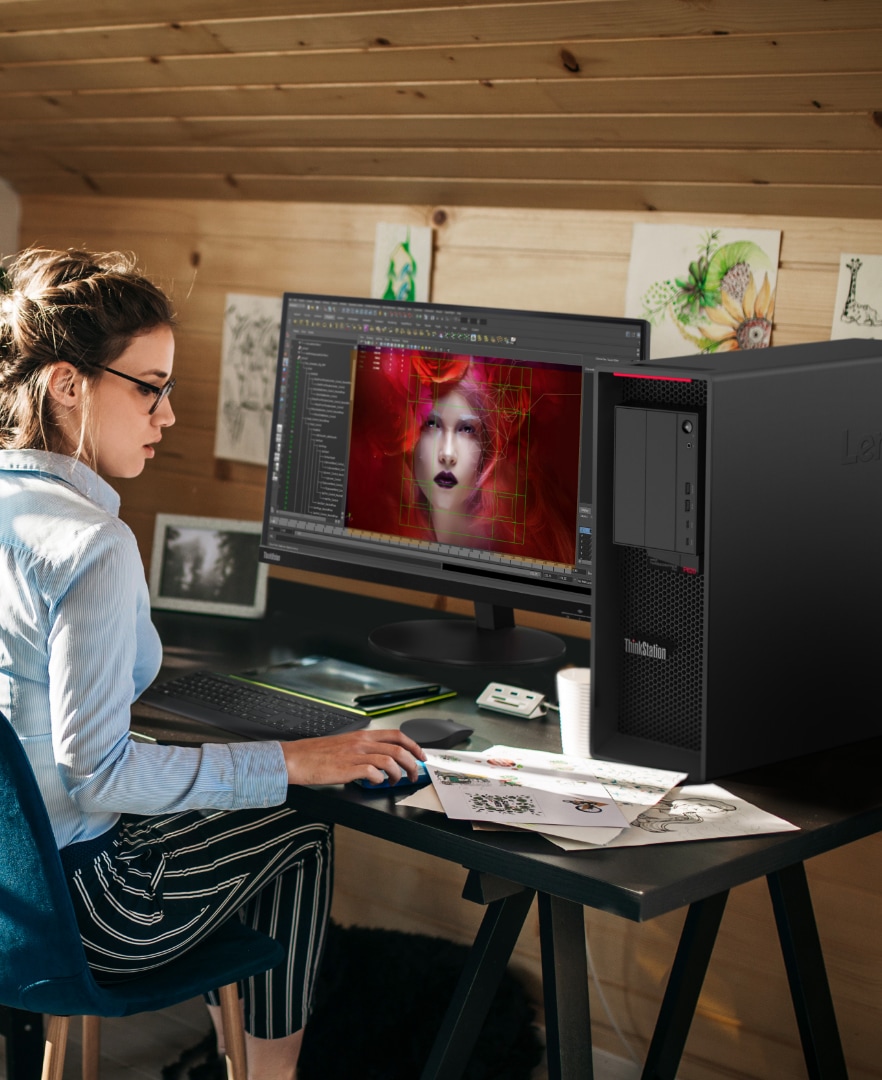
743	322
716	269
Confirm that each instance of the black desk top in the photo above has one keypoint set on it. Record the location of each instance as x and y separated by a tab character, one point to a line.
834	797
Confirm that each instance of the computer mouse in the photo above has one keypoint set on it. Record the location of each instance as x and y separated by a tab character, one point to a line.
405	781
436	732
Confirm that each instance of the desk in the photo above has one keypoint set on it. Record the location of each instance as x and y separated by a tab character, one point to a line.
507	870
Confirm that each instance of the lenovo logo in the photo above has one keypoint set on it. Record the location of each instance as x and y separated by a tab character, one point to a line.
866	447
633	647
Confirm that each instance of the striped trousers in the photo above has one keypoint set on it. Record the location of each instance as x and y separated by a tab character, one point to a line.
150	888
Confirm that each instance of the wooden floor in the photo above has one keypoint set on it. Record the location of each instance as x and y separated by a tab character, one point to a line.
136	1048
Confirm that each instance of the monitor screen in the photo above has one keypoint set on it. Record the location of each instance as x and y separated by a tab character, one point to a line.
440	447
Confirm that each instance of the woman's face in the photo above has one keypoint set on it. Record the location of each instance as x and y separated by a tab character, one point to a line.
448	453
124	432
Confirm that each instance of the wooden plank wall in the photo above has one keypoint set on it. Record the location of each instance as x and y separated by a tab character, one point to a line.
542	259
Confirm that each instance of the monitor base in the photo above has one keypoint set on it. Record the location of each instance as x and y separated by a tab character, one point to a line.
492	641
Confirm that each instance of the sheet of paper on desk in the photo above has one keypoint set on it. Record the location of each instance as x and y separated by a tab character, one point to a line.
423	798
633	785
634	788
693	812
579	837
700	812
479	787
548	771
570	838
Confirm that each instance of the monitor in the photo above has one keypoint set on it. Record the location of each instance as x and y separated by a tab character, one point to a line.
445	448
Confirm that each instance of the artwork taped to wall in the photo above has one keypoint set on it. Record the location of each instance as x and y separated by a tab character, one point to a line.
10	220
207	565
248	372
858	308
402	262
704	290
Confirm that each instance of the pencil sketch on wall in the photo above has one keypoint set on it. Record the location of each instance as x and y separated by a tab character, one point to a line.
248	371
858	308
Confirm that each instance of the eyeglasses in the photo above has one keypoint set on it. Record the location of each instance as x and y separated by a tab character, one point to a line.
161	392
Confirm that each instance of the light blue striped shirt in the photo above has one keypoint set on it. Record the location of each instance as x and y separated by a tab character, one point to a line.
77	646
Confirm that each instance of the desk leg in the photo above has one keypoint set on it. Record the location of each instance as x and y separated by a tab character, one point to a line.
565	985
804	960
495	941
24	1043
684	987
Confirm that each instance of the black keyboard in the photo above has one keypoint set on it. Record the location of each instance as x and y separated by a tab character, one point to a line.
244	708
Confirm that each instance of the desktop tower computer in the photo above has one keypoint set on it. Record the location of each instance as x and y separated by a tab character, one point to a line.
737	614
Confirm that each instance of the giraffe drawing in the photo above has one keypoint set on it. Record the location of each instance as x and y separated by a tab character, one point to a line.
852	312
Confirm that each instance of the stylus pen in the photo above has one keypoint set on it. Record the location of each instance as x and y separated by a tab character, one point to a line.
390	697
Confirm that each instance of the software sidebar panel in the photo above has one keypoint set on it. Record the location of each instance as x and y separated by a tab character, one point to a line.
737	613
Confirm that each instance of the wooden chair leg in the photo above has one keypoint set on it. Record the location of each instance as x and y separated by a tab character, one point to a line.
234	1032
91	1046
56	1045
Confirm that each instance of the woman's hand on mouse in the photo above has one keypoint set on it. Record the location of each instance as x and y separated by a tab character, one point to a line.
355	755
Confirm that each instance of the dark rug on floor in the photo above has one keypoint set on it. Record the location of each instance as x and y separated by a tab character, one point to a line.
379	1002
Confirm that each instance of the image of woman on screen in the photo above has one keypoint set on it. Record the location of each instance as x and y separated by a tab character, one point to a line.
466	451
453	458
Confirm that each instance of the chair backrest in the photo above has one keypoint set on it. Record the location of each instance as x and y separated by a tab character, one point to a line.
41	954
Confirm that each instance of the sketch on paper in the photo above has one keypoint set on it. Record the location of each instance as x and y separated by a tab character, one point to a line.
248	371
858	308
699	812
473	785
683	811
402	262
703	290
586	806
509	805
461	778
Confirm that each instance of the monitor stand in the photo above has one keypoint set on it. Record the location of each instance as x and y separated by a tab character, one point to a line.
490	638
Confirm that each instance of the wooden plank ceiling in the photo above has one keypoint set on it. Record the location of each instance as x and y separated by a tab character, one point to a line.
748	106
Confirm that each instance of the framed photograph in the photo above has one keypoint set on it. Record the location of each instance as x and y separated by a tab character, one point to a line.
207	565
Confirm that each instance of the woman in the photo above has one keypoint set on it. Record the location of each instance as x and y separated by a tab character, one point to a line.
450	463
159	844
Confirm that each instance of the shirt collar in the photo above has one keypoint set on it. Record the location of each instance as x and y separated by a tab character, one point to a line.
66	469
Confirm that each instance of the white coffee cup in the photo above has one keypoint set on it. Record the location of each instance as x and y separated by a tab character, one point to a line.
574	699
